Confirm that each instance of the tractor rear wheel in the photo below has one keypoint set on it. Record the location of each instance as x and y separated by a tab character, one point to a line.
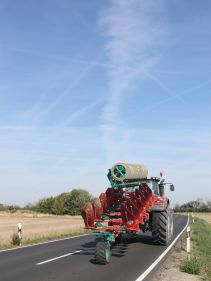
171	224
162	227
102	252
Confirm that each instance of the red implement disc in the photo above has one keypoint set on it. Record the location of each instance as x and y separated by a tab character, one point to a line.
88	215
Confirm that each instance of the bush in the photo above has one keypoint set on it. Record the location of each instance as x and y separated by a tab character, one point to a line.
77	199
45	205
60	203
194	206
190	265
15	240
9	208
67	203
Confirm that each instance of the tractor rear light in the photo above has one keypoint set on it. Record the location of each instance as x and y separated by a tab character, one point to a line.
159	202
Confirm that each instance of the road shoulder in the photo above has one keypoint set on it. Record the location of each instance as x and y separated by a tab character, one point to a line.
170	267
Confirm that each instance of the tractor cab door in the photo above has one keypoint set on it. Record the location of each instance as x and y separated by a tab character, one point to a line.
154	187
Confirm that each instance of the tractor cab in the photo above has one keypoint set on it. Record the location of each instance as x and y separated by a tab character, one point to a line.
157	186
153	183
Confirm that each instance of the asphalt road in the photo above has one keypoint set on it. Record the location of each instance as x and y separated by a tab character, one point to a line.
59	260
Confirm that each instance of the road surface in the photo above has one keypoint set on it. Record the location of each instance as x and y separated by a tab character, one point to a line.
72	259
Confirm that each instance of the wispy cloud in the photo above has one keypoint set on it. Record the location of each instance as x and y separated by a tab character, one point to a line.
133	34
81	112
178	95
39	109
68	89
161	85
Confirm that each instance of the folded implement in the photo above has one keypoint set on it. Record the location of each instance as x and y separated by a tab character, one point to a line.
134	202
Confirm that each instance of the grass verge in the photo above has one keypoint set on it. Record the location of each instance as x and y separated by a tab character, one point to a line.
15	241
45	238
191	265
199	261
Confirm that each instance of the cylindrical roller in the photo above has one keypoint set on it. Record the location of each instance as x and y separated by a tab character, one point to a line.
124	172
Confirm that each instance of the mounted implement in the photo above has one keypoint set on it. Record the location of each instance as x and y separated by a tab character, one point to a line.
132	203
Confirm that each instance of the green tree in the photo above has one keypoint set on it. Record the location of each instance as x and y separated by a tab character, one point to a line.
66	203
177	208
45	205
194	206
2	208
60	204
76	201
209	205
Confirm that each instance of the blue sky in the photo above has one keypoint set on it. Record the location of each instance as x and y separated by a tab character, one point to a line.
85	84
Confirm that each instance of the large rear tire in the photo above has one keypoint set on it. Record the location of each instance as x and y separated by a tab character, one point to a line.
102	252
171	226
162	227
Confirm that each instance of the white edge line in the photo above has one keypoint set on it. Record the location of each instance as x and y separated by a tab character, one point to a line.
153	265
60	257
42	243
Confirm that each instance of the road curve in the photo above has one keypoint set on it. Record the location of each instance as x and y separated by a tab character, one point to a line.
72	259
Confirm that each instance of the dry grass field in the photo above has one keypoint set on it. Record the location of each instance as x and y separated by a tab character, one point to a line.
37	225
204	216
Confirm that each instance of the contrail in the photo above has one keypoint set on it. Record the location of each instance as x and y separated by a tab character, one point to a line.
180	95
67	91
81	111
163	87
132	33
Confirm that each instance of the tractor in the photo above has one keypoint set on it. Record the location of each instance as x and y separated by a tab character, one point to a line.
134	202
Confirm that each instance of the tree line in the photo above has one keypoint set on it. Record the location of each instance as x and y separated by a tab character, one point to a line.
71	203
198	205
66	203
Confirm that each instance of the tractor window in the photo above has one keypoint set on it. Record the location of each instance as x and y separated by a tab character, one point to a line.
154	186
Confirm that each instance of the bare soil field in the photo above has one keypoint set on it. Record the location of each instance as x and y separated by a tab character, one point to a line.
204	216
37	225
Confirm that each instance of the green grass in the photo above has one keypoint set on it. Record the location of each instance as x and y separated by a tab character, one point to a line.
191	265
200	260
4	246
44	238
53	237
15	241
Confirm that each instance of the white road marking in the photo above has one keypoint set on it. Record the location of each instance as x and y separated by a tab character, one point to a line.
153	265
60	257
42	243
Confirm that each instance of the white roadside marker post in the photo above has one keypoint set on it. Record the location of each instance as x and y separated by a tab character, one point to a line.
20	232
188	239
193	220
